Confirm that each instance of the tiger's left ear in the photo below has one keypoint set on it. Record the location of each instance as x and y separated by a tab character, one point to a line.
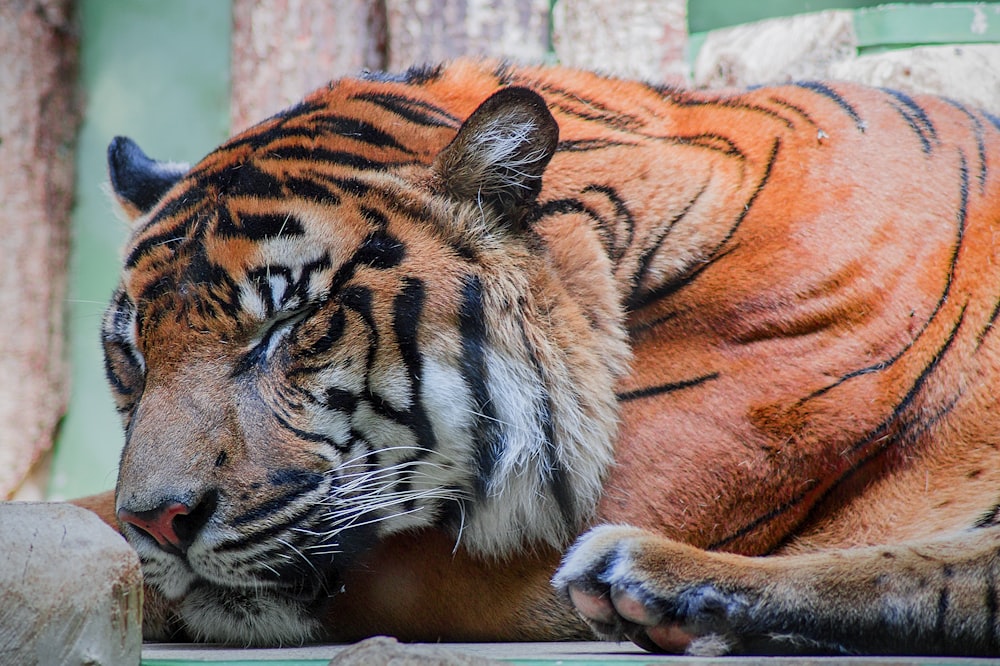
139	181
499	154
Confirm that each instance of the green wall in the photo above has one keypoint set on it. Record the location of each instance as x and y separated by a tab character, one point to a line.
157	71
706	15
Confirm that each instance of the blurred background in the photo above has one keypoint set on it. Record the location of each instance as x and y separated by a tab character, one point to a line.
181	76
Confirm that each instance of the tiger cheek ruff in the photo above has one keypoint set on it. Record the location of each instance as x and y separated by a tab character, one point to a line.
383	357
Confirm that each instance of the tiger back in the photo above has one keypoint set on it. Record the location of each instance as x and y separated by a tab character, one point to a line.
494	306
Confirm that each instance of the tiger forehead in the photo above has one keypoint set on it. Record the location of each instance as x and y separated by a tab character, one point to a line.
228	266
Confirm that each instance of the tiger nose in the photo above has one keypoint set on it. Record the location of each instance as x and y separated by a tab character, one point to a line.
173	524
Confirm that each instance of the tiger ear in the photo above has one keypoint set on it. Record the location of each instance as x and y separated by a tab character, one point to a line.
137	180
499	154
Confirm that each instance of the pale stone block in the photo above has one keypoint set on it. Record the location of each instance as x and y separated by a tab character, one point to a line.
775	51
70	588
969	73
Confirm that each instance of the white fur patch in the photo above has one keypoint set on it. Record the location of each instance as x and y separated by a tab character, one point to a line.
246	617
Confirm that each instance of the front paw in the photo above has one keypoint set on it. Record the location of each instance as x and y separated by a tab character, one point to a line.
628	583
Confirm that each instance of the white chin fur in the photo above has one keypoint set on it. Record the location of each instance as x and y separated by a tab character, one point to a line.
246	618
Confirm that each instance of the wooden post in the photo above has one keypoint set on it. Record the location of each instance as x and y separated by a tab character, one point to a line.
38	122
631	38
436	30
282	49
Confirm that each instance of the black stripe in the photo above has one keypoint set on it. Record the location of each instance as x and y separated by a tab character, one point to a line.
260	227
487	435
798	110
359	299
584	145
312	436
333	333
828	92
170	238
407	314
709	141
374	216
940	620
994	119
118	385
915	117
911	394
638	328
243	178
339	400
259	278
779	510
380	250
717	253
289	521
357	129
339	157
737	103
559	481
294	484
660	389
413	110
980	133
557	207
613	246
263	139
351	186
636	298
591	110
312	190
990	324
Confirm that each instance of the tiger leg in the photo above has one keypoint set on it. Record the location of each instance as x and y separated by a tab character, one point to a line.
419	587
929	597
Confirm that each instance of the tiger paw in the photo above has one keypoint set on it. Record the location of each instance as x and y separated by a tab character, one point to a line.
628	583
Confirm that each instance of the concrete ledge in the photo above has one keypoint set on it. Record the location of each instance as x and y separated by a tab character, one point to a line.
70	588
825	45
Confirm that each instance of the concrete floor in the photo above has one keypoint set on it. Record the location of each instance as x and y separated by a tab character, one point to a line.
564	654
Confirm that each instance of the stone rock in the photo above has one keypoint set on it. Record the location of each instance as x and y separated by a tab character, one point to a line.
775	51
70	588
824	45
385	651
969	73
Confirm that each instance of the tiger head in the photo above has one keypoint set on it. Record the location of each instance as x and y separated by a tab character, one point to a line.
333	329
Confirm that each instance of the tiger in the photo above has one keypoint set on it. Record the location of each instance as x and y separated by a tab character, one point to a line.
485	351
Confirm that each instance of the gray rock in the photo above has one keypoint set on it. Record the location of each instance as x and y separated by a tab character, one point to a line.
70	588
385	651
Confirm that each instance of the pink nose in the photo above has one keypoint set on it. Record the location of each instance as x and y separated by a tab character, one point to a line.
159	523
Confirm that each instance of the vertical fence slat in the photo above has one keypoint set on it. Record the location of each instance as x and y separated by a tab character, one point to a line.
633	38
430	31
285	48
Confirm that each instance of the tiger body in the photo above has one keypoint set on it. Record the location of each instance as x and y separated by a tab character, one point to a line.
406	342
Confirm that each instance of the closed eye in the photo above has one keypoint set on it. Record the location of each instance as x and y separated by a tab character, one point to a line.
262	348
